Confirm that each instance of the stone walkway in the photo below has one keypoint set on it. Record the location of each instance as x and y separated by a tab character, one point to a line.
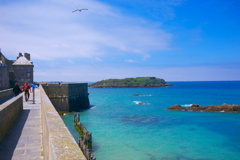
24	140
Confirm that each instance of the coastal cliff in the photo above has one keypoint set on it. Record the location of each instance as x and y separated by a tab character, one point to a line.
211	108
130	82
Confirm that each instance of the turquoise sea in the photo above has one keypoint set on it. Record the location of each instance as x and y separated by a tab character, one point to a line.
124	130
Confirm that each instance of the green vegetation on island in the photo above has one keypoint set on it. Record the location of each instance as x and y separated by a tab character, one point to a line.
131	82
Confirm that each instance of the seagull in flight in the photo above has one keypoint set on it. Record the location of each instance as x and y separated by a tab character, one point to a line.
79	10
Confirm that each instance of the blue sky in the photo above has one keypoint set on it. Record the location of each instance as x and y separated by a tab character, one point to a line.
177	40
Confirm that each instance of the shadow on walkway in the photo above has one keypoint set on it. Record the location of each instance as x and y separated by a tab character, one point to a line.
12	139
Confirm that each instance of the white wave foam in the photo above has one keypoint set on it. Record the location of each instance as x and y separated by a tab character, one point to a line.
137	102
186	105
140	102
93	107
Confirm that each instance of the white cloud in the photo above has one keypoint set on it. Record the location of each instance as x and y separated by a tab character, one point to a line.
49	30
97	59
70	61
130	60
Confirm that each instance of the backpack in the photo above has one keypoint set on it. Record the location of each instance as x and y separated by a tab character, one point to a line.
26	89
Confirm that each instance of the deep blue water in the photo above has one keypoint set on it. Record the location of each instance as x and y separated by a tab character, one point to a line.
124	130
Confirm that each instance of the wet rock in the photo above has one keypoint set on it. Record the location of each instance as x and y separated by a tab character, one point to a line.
210	108
195	107
223	107
177	107
141	103
141	95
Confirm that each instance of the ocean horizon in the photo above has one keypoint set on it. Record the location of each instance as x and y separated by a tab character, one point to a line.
123	129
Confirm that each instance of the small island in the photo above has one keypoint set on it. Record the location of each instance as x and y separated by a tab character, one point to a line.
211	108
130	82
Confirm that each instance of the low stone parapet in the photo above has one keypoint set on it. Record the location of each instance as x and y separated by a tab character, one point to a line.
9	112
58	143
5	94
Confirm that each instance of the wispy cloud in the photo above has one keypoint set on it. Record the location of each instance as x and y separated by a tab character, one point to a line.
97	59
70	61
113	41
49	30
130	60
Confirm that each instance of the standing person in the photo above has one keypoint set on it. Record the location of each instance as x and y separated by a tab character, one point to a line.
16	90
26	89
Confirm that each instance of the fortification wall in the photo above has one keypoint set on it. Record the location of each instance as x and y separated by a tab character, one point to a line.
5	94
58	94
67	97
58	143
9	112
78	96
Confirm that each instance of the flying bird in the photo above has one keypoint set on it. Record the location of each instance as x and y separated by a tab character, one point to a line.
79	10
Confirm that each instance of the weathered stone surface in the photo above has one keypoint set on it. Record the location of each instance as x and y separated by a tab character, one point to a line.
210	108
58	143
67	97
177	107
6	94
9	112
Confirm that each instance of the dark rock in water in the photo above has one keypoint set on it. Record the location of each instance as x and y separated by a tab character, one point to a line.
177	107
137	95
211	108
223	107
141	103
141	95
194	105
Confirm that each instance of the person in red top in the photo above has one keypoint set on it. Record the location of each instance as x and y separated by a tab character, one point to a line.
25	88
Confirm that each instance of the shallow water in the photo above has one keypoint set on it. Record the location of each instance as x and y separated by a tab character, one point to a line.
124	130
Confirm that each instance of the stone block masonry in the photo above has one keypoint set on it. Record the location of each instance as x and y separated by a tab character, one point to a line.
9	112
58	143
6	94
68	97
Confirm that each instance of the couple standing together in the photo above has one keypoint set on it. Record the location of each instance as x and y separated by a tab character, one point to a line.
25	88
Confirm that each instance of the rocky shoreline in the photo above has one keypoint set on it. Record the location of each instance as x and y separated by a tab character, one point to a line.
210	108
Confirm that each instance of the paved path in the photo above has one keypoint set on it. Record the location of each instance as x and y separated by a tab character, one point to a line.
24	140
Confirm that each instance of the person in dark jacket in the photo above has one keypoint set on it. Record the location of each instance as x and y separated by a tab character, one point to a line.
16	90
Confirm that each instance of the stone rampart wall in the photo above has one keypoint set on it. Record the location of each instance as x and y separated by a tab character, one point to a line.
58	94
67	97
9	112
58	143
5	94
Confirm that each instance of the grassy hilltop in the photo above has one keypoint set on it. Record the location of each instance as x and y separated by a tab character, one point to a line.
131	82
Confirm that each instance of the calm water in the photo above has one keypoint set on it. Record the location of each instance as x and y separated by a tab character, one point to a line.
124	130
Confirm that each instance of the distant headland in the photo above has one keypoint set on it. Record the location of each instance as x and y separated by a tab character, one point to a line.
130	82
